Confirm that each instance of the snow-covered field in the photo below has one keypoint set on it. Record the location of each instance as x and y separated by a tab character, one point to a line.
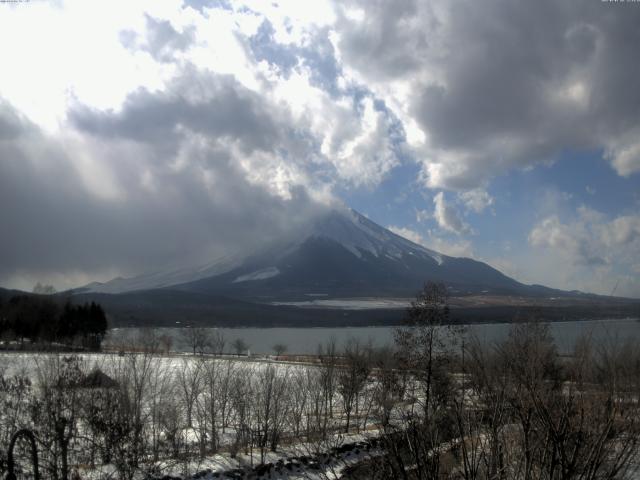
200	414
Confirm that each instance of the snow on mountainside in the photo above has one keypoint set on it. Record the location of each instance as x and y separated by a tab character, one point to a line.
353	231
341	253
164	279
358	234
259	275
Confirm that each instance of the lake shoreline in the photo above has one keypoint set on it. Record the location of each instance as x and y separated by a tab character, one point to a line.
487	322
305	340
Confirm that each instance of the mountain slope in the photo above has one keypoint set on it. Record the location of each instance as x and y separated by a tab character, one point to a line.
344	254
341	254
342	269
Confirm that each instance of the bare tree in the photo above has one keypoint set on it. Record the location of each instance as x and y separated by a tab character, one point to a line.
201	340
352	375
189	378
318	414
165	341
57	410
299	398
279	349
389	386
243	401
270	408
414	444
215	399
534	417
217	341
329	357
161	387
240	346
423	345
131	419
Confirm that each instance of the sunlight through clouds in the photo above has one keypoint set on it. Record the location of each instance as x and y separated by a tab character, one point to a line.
211	112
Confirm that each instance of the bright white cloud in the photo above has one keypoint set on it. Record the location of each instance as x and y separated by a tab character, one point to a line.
448	217
477	199
409	234
592	250
575	240
446	246
624	154
591	238
78	60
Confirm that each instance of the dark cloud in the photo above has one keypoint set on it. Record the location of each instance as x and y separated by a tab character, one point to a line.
11	123
182	194
211	105
384	42
500	84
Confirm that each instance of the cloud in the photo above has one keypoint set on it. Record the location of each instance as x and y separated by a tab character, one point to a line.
206	129
409	234
575	240
250	115
162	41
180	194
423	215
622	231
462	248
624	153
220	108
592	248
592	238
360	147
447	246
485	87
477	199
447	216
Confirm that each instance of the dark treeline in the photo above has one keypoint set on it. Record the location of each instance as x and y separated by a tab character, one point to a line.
43	319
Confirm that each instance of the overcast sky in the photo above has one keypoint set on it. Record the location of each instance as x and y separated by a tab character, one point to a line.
140	135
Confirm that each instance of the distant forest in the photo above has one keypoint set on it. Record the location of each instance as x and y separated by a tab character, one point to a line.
46	320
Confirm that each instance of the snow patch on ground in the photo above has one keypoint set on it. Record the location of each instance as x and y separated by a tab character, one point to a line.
352	303
437	258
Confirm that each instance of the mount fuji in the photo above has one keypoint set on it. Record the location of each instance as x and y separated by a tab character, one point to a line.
340	254
341	269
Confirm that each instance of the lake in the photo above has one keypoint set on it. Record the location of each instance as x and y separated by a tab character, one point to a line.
306	340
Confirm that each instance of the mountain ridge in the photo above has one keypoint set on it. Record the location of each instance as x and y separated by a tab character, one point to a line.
340	254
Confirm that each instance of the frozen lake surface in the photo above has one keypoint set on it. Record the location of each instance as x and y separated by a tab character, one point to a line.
306	340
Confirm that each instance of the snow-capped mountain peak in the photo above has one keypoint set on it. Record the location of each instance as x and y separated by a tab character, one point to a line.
340	253
358	234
